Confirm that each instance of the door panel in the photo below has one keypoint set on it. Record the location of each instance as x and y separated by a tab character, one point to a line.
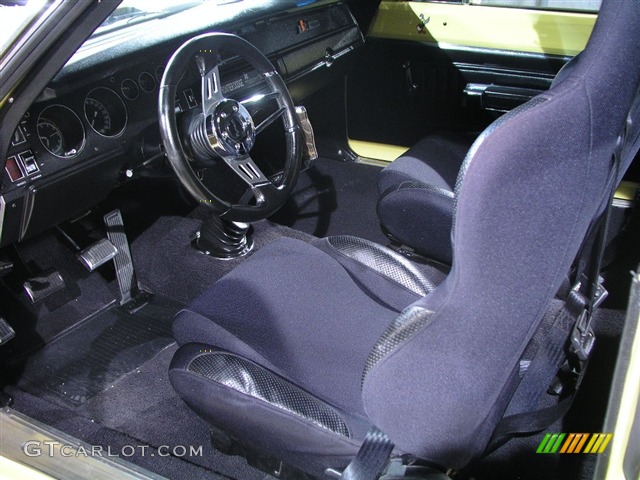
409	84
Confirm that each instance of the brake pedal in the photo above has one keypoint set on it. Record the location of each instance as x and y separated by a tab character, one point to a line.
97	254
6	332
125	273
43	286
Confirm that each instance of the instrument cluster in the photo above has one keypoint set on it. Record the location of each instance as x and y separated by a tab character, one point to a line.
73	127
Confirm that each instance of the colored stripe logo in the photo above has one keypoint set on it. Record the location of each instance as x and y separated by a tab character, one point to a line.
574	443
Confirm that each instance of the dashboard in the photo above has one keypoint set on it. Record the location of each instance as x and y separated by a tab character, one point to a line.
95	126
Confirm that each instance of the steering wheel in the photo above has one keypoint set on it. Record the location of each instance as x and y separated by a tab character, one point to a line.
225	129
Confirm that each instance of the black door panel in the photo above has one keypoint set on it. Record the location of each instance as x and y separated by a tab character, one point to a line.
402	91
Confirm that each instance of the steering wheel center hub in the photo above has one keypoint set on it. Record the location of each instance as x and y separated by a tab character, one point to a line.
230	129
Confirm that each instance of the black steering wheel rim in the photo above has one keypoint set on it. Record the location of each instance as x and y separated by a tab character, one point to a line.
205	49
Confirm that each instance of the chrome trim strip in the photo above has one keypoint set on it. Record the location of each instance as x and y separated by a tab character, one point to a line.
3	206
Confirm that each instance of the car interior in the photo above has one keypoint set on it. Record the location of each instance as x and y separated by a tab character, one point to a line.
263	238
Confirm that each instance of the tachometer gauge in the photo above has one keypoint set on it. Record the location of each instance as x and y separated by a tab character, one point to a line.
105	112
97	116
51	137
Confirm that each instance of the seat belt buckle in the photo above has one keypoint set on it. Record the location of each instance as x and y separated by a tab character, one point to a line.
582	338
600	295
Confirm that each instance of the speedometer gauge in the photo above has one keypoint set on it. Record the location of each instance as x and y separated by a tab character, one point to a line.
105	112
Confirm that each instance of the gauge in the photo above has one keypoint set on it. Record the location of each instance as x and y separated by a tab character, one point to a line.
105	111
129	89
60	131
159	73
147	82
97	115
51	137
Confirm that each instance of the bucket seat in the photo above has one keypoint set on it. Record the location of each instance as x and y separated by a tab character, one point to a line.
304	347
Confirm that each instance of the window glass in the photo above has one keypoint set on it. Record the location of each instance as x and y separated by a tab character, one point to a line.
574	5
16	16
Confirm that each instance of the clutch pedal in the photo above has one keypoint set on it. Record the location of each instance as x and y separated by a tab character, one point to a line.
44	285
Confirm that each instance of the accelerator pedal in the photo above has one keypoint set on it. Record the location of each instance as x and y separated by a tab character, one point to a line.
125	272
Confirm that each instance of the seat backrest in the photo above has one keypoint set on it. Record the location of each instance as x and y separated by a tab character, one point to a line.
527	193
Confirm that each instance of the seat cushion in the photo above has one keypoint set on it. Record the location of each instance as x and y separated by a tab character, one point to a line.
416	200
284	338
297	311
435	160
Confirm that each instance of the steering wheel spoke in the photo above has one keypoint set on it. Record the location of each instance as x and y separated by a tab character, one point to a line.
211	89
270	119
247	170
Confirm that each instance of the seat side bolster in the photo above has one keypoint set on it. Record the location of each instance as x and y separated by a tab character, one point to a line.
415	185
419	216
249	378
382	260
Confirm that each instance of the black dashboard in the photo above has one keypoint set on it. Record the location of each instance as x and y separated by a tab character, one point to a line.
96	124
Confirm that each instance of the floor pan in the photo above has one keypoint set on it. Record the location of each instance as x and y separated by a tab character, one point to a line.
100	350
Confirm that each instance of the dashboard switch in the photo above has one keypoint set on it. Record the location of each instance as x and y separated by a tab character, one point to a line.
18	137
29	162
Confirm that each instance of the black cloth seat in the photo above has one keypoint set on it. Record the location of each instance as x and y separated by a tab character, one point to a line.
416	190
288	313
302	348
416	193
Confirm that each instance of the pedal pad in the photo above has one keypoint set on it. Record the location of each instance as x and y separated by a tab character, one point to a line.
122	260
97	254
5	268
44	285
6	331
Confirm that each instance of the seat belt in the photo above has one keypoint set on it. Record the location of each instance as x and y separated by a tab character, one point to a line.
569	327
571	323
521	416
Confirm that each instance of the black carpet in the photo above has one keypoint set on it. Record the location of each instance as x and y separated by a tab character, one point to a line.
335	198
145	406
107	382
94	433
167	264
97	352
